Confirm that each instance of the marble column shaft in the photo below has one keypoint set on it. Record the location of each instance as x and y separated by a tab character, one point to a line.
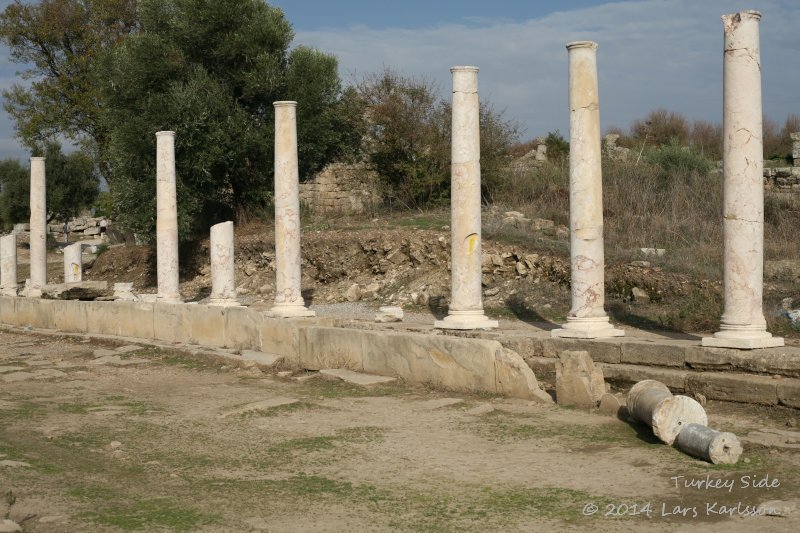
288	298
38	223
587	317
223	285
742	324
166	219
8	265
466	300
73	263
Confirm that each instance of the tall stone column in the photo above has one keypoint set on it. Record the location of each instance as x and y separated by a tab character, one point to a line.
38	204
466	300
742	324
8	265
288	298
166	219
73	263
587	318
795	149
223	286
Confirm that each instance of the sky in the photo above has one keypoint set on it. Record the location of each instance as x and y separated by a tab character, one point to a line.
652	53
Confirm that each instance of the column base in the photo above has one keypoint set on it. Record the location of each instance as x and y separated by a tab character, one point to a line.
458	320
8	292
587	328
31	292
290	311
223	302
742	339
171	299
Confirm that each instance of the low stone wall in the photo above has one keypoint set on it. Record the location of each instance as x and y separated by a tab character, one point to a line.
342	188
782	178
471	365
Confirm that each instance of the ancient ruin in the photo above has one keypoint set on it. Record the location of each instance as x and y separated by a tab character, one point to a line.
8	265
466	300
38	228
73	263
587	318
288	297
223	285
743	324
166	218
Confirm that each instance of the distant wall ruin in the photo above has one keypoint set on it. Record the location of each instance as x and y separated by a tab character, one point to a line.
342	188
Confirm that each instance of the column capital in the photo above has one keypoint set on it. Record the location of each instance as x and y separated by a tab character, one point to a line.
165	134
37	158
285	103
582	44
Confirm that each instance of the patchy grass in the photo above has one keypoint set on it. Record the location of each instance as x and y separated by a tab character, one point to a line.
281	409
328	388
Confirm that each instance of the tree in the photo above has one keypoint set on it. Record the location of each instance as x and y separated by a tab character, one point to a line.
62	42
407	137
210	71
72	186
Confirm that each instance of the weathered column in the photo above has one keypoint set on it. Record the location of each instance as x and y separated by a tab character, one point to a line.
73	263
38	234
466	299
652	403
223	286
709	444
742	324
795	149
8	265
167	219
288	298
587	318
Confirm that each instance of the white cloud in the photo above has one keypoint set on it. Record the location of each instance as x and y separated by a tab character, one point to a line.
653	53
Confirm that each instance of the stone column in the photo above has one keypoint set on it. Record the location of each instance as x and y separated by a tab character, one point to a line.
466	300
587	318
288	299
167	219
223	286
38	234
73	263
742	324
795	149
8	265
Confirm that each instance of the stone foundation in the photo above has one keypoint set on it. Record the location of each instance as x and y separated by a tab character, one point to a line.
342	188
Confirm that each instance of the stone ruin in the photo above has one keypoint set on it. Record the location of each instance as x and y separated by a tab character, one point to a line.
342	188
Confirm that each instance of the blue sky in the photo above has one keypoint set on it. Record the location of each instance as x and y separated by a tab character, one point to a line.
653	53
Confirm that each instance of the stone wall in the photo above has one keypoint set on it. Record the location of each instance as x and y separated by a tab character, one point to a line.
342	188
783	178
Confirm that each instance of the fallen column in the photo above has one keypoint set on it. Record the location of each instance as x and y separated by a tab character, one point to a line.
223	286
73	263
587	318
742	324
8	265
288	259
166	219
466	299
709	444
38	224
652	403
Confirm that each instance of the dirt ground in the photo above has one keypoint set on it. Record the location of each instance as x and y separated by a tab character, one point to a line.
153	440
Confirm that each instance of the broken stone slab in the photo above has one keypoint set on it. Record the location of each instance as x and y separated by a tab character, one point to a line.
264	361
439	403
260	406
389	313
355	378
14	464
709	444
127	349
653	252
124	291
578	381
48	373
102	352
481	409
83	290
118	361
9	526
652	403
774	438
17	376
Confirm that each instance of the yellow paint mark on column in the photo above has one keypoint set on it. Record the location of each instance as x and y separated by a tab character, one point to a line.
472	243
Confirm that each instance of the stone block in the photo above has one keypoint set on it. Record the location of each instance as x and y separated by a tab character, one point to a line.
784	361
7	310
734	387
642	353
543	367
168	322
578	381
355	378
281	336
789	392
205	324
322	347
27	313
605	351
69	316
140	322
105	319
516	379
673	378
243	328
